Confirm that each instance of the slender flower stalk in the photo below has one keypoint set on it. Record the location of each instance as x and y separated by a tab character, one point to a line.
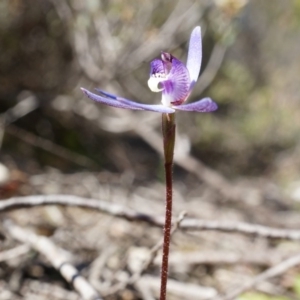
168	130
175	81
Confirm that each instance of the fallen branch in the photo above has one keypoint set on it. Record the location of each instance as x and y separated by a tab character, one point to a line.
57	257
125	212
268	274
13	253
266	258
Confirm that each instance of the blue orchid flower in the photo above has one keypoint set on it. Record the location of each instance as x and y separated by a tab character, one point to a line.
172	78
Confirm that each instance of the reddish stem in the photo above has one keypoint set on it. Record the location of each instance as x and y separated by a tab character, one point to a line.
168	129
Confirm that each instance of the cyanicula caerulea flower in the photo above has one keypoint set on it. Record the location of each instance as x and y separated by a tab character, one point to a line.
172	78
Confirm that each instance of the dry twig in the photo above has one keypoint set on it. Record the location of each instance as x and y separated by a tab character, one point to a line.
13	253
16	112
125	212
145	265
269	273
57	257
222	257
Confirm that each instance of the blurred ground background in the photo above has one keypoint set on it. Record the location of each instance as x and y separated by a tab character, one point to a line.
240	163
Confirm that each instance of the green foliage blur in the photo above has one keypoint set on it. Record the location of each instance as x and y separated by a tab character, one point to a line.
259	296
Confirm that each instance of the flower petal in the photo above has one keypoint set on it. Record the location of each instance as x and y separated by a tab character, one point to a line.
194	55
203	105
107	101
149	107
176	88
112	100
